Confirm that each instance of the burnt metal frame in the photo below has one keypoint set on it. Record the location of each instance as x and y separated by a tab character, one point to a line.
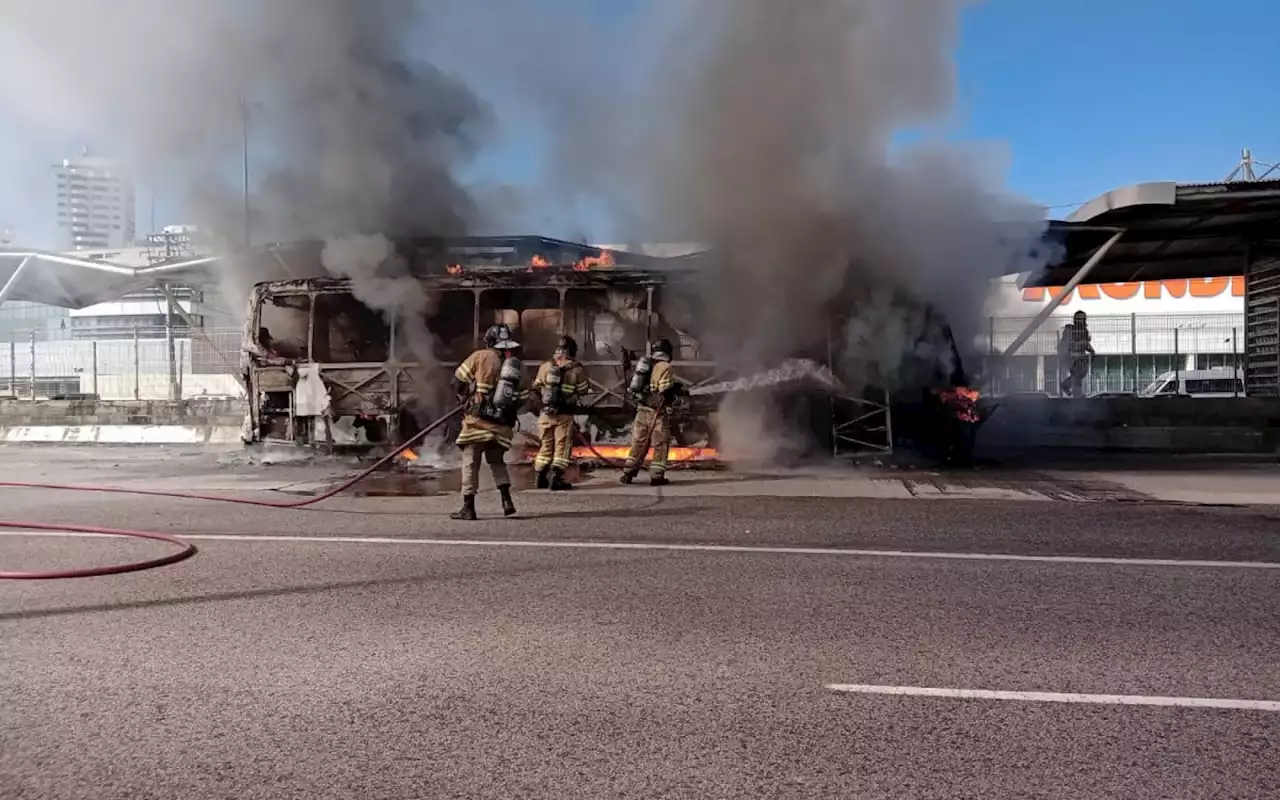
844	428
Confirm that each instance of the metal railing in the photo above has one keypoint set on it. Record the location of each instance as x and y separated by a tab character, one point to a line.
1131	351
138	363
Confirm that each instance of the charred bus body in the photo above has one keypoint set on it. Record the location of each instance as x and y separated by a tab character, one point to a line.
324	369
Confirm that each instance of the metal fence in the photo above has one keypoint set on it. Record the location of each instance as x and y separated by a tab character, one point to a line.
123	364
1132	350
138	363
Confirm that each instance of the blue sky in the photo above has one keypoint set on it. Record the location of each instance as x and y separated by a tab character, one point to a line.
1093	94
1084	95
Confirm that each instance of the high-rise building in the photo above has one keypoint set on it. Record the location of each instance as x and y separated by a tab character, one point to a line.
95	204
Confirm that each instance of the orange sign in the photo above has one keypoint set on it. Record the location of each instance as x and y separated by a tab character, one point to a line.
1150	290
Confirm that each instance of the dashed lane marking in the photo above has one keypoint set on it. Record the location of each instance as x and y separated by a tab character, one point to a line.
697	548
1058	697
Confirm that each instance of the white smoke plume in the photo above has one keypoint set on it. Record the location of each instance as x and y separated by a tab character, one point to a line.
778	145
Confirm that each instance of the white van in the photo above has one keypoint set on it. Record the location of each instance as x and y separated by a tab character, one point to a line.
1216	382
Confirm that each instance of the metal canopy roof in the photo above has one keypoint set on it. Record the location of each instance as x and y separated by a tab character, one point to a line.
72	282
1170	231
69	282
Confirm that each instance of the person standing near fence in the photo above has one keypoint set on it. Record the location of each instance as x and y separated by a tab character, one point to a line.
1075	348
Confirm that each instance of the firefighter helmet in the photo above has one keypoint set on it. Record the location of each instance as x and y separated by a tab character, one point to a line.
499	337
1079	316
567	346
664	347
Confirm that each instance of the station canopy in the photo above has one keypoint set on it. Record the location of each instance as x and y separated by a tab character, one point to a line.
72	282
1170	231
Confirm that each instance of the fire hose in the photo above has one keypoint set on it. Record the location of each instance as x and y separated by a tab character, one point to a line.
188	550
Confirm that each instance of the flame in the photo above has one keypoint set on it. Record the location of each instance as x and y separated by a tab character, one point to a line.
676	455
604	260
539	262
408	455
453	269
962	401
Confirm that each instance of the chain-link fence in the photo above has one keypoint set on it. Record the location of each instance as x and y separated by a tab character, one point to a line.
122	364
1131	351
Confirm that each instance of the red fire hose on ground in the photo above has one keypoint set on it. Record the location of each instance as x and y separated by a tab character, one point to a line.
188	550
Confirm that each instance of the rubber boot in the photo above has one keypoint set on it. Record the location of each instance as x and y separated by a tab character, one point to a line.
558	483
508	505
542	482
658	480
629	475
468	510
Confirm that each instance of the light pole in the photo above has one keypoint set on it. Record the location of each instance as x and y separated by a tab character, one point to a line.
244	130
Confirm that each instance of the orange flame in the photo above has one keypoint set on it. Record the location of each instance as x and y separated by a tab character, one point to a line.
408	455
453	269
539	262
962	401
676	455
604	260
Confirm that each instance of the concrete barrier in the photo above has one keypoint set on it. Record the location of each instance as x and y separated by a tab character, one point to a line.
121	434
201	411
1246	425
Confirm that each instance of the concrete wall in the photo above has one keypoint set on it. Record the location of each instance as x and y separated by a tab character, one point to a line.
1172	424
196	411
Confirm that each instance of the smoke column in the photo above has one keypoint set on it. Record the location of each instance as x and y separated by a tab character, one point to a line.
769	131
349	133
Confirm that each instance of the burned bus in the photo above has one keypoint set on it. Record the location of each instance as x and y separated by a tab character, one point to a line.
324	369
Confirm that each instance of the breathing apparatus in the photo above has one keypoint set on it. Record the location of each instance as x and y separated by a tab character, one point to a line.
661	350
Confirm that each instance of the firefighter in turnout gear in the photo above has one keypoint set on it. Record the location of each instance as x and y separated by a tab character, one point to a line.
561	384
1075	348
489	383
652	427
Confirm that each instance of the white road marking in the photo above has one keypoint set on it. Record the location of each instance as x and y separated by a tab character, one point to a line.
694	548
1057	697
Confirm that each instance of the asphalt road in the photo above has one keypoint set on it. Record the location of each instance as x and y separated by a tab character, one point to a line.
316	668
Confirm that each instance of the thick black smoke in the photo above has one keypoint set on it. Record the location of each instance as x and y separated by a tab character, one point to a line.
765	128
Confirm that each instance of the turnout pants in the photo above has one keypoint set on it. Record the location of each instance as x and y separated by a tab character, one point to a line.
555	447
650	429
472	455
1078	370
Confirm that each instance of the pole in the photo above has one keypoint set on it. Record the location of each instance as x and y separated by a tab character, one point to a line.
13	369
174	393
1056	301
1235	364
33	366
137	367
1133	350
94	350
244	129
1177	363
198	330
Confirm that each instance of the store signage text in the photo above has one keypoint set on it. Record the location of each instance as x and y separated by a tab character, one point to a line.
1148	290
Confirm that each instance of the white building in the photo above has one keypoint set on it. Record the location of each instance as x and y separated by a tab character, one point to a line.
95	204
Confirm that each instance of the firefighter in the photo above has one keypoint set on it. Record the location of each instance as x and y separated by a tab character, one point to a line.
1075	346
489	382
561	384
655	389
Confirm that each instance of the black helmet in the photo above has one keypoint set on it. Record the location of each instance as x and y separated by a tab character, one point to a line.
1079	316
665	347
499	337
567	346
